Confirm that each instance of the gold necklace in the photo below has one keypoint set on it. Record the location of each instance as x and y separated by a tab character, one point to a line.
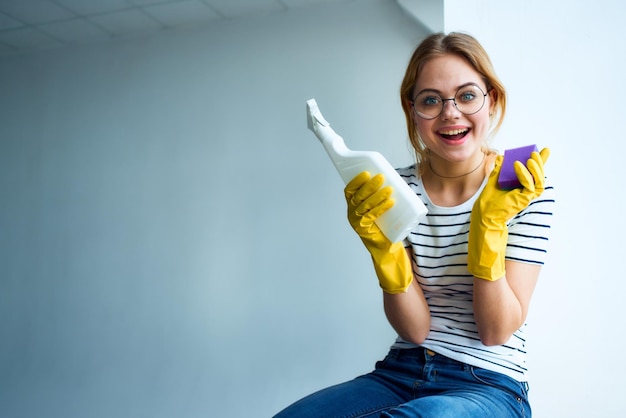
462	175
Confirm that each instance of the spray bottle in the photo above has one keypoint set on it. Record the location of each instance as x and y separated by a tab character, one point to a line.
407	211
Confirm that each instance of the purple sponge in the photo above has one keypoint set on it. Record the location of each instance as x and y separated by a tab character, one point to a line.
508	179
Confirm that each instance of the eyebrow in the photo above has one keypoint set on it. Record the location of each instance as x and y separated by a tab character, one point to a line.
471	83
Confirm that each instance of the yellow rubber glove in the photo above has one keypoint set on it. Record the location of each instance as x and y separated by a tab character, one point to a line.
366	202
494	208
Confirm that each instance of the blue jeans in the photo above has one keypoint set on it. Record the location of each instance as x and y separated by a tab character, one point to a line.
418	383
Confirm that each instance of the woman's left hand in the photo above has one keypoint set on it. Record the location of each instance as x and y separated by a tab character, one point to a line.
494	208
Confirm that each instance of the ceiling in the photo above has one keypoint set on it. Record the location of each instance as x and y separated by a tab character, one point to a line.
32	25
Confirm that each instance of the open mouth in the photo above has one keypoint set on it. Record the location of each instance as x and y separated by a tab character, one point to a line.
454	134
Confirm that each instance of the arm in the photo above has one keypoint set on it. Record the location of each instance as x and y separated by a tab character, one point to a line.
405	305
367	201
502	288
501	306
408	313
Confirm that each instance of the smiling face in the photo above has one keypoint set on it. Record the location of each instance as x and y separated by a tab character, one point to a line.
453	137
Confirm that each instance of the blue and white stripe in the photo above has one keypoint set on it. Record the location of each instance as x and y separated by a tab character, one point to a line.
439	247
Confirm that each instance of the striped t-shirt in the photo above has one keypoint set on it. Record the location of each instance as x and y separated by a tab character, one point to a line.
439	246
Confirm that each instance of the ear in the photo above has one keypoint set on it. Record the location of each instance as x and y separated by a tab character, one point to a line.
409	107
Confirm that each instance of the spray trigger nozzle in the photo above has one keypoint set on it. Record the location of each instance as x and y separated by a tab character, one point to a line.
314	115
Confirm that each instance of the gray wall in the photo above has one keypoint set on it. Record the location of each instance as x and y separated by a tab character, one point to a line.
172	238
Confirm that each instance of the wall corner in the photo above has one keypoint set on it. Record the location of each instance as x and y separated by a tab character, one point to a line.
428	13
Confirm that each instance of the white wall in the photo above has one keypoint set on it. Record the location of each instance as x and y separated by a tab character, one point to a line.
173	240
563	64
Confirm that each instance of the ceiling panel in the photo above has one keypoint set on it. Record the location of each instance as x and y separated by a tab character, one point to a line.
75	31
126	23
306	3
7	22
89	7
31	25
27	38
233	9
182	13
34	11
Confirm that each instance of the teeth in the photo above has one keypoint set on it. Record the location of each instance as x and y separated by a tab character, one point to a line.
454	132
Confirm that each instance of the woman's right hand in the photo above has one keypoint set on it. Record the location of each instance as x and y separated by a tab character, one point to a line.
367	201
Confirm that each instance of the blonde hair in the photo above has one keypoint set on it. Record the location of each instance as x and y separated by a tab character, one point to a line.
468	48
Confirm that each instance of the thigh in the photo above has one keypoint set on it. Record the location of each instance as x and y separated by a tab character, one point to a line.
468	405
389	385
365	396
471	393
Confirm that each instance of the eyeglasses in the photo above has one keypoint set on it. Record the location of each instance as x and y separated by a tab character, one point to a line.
469	99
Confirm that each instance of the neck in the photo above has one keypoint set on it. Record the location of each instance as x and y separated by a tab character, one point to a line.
451	189
457	176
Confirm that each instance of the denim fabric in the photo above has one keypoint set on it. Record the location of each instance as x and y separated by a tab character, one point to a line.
418	383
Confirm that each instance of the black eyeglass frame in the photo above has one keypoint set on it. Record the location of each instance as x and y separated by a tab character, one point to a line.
443	102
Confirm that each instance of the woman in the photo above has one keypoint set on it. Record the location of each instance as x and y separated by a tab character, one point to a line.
457	291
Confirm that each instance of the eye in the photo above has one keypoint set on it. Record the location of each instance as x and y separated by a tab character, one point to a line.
429	100
466	96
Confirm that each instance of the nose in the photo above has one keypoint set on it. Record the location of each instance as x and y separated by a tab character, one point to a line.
449	109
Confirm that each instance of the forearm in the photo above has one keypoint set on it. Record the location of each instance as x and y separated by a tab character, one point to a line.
497	311
408	313
501	306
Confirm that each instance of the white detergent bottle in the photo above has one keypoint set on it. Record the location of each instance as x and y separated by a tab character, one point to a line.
407	211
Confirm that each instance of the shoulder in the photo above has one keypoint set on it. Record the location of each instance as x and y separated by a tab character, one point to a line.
408	171
546	200
410	175
548	191
536	219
